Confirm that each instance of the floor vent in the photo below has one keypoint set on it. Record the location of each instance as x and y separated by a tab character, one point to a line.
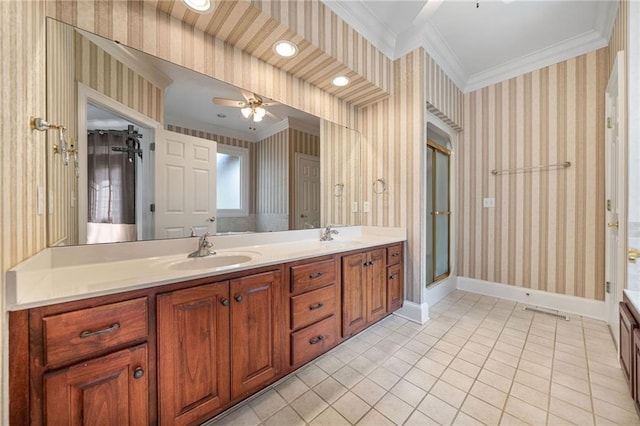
542	311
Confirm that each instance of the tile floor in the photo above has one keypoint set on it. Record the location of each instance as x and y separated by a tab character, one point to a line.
479	360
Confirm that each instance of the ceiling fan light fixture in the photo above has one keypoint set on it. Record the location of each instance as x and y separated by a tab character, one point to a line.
341	81
246	112
256	118
198	5
285	48
260	112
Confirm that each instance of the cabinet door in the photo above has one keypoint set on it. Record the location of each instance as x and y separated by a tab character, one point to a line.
354	294
193	353
255	334
110	390
635	394
627	326
376	271
395	287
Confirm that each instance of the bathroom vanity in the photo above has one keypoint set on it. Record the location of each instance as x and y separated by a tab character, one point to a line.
629	310
170	340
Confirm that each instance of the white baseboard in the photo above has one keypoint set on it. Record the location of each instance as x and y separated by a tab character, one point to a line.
560	302
415	312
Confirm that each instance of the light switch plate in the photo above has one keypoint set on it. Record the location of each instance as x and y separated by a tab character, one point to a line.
365	207
354	207
489	202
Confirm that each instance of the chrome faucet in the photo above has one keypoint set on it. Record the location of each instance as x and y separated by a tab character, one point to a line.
326	234
204	247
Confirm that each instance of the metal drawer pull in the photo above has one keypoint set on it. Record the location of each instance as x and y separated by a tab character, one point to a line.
393	277
138	373
316	275
111	328
316	340
395	254
316	306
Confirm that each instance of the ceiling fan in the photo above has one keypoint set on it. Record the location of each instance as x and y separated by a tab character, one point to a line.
252	107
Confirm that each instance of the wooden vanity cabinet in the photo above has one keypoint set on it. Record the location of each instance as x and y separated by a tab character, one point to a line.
627	327
364	289
395	277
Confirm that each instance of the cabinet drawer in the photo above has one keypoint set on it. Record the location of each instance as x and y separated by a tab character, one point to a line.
309	307
312	341
394	255
77	334
312	276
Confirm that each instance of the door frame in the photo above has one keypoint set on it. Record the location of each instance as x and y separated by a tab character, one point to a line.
616	265
88	95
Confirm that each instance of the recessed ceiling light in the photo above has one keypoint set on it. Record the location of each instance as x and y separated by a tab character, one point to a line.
285	48
341	81
199	5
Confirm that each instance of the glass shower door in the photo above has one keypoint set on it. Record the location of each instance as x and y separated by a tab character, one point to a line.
438	213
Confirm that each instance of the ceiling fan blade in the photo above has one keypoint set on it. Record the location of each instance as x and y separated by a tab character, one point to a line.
270	103
229	102
248	95
274	116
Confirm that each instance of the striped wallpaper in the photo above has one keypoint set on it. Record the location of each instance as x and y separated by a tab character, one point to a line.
303	143
547	228
272	180
444	99
618	39
62	216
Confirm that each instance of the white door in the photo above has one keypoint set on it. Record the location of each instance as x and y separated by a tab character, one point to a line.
615	154
185	185
307	202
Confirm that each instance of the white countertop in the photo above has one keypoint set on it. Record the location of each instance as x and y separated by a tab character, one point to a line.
63	274
634	298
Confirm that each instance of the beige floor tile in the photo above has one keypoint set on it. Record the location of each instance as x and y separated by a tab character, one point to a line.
397	366
457	379
329	363
463	419
509	420
286	416
420	378
480	410
465	367
525	411
492	379
554	420
448	393
362	365
537	358
601	421
570	382
538	383
330	389
544	341
487	332
516	342
368	391
436	354
374	418
243	416
267	404
472	357
348	376
384	377
620	398
330	417
344	354
614	413
571	369
447	347
508	348
419	419
437	409
499	368
351	407
418	347
504	358
291	388
482	340
532	396
311	375
571	359
478	348
426	339
489	394
376	355
570	412
408	392
608	382
407	355
571	396
309	405
430	366
394	408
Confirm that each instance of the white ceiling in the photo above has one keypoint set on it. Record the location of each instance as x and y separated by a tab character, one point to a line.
478	46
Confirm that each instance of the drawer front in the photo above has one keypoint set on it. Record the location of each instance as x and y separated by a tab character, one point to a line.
309	307
312	341
394	255
312	276
77	334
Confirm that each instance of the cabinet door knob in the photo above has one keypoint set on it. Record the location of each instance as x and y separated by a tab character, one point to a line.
316	340
393	277
225	302
138	373
238	297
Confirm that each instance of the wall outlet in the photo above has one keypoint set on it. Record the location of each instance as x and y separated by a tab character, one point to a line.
365	207
489	202
354	207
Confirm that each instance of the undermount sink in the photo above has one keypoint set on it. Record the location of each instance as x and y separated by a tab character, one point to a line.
213	261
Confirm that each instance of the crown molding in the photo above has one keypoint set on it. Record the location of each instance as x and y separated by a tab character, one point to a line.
360	18
278	127
204	127
606	14
122	54
559	52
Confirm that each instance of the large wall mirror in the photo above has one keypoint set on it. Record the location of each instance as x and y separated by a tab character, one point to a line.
160	151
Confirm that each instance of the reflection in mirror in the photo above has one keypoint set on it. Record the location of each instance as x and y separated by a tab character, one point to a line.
165	152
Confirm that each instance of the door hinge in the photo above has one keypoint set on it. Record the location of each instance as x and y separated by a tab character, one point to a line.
608	205
607	287
609	123
152	146
152	207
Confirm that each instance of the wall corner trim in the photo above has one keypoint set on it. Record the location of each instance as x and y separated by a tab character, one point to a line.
415	312
560	302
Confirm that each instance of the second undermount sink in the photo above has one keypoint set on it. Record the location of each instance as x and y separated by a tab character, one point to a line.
220	260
